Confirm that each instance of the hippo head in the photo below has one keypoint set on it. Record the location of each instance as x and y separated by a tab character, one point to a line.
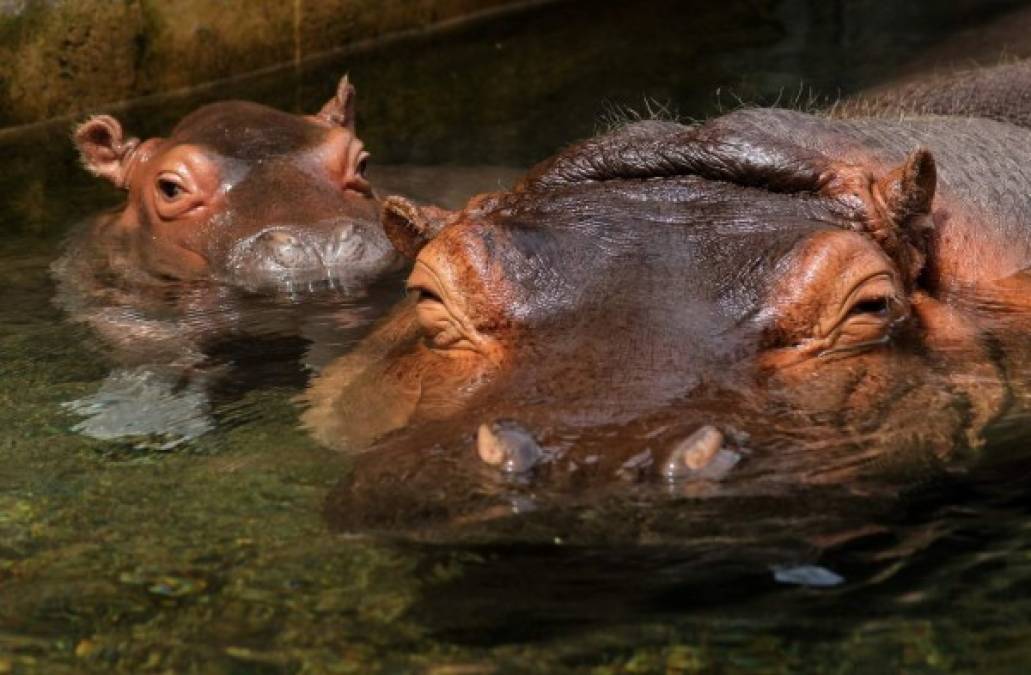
244	194
652	302
593	296
621	296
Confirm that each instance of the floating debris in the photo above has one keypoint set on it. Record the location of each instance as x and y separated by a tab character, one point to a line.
84	648
812	576
176	587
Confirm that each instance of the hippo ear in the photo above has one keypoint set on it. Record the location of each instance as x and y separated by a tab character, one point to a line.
104	150
908	191
899	218
339	110
410	227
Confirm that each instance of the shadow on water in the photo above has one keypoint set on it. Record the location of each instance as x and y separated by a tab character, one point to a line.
216	557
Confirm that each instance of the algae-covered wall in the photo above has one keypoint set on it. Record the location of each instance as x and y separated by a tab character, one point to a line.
60	57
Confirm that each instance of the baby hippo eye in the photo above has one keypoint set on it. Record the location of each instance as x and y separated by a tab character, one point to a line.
354	178
176	194
363	164
169	188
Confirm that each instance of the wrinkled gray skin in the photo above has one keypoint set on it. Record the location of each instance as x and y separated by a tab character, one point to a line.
660	278
979	234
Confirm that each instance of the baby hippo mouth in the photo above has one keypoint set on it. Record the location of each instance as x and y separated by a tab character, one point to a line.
293	260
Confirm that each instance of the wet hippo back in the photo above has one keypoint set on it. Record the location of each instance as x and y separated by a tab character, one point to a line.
983	198
977	234
1001	93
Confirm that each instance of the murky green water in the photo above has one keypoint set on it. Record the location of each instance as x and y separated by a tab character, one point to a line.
214	556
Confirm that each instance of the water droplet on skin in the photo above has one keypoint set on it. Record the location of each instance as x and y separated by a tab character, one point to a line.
506	445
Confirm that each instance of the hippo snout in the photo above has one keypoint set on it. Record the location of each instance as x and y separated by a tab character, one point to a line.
291	258
284	249
344	246
278	258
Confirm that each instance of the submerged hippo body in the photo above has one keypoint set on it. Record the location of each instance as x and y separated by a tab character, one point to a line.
799	282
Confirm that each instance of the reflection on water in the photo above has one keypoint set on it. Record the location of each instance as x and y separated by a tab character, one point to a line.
214	555
177	350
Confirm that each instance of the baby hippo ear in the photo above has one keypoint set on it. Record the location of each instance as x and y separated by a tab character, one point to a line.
410	227
339	110
104	150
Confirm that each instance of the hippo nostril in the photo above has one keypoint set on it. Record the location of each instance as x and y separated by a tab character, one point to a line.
276	239
345	246
284	249
505	444
700	455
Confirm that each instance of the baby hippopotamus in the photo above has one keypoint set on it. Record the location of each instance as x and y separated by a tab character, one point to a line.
237	214
239	193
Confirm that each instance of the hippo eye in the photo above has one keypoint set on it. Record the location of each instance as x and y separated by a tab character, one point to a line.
169	188
879	307
363	164
867	323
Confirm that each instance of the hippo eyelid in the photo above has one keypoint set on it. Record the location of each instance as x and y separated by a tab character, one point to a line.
354	175
176	195
854	347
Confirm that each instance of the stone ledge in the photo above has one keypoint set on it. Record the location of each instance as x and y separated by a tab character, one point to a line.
61	57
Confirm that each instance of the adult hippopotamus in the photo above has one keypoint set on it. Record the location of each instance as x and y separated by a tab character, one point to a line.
240	193
762	278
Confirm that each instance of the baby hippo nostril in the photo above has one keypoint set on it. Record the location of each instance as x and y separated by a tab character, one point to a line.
276	238
345	246
284	249
508	446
